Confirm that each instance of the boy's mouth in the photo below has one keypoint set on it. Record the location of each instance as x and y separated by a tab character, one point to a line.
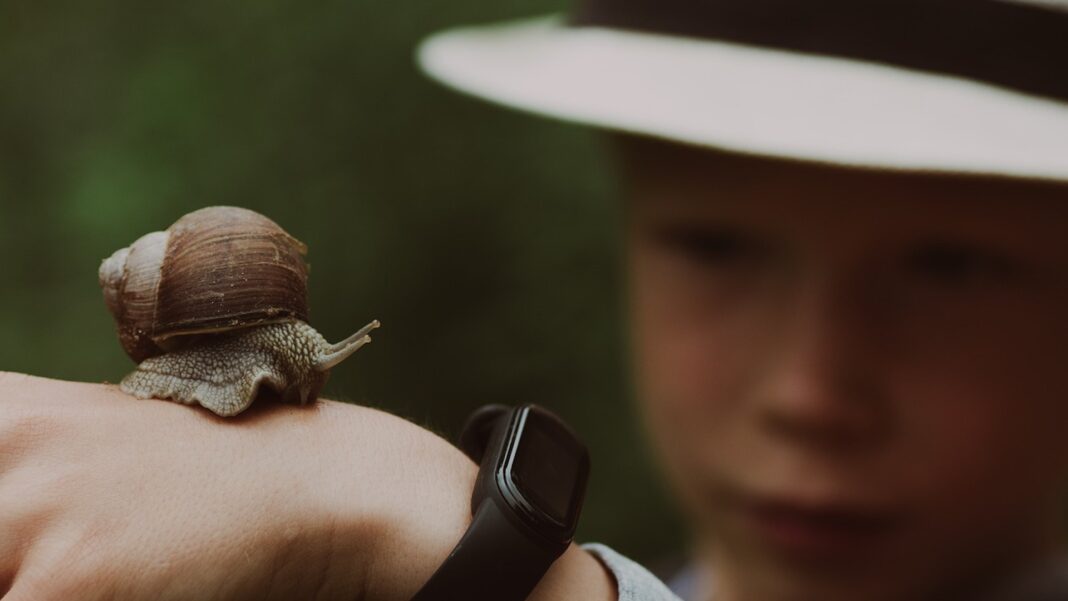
817	533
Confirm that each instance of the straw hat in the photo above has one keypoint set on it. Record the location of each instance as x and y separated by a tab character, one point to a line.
958	86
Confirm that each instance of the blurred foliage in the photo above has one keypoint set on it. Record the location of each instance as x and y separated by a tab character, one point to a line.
485	241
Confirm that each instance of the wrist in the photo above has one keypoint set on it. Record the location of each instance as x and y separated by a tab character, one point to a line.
399	498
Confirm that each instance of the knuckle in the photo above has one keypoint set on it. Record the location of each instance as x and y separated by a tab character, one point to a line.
32	587
58	566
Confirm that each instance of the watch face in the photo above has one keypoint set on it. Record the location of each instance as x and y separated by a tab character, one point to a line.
549	466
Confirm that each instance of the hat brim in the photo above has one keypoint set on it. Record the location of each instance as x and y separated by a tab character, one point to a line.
755	100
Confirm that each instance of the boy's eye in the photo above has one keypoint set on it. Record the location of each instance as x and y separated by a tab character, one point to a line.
955	264
710	246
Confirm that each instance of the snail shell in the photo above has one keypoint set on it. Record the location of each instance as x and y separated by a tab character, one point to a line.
216	269
214	308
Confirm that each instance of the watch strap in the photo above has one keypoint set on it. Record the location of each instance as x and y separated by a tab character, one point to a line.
503	561
478	430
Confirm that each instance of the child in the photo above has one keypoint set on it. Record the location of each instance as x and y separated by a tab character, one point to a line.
848	270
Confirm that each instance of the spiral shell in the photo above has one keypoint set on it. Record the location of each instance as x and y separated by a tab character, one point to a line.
216	269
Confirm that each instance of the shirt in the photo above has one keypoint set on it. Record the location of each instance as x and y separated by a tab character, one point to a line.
635	582
1044	582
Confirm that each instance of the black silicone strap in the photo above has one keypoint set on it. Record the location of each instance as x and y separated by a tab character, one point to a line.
507	548
494	560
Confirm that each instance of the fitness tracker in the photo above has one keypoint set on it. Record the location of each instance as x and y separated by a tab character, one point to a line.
525	506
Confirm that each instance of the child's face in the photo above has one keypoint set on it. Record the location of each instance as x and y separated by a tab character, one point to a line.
856	382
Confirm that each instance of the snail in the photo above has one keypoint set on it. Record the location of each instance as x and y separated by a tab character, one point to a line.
215	308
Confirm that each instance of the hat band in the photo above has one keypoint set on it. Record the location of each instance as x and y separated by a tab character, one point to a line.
1008	44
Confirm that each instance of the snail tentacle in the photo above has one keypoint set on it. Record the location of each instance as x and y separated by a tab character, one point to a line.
328	361
365	330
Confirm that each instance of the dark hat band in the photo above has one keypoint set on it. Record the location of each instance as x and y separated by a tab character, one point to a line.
1002	42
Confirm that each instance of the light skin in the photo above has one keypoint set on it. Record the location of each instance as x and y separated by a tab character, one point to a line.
854	380
834	342
106	497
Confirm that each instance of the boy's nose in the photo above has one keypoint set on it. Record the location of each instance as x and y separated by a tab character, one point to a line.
821	387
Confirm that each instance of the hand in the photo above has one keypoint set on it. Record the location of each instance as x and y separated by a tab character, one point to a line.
103	496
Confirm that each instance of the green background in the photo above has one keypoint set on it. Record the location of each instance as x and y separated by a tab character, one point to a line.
487	242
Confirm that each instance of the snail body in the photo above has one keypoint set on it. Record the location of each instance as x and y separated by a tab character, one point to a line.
214	309
224	373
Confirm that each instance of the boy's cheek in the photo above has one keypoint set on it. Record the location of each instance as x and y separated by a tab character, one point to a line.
976	455
992	456
693	363
986	411
689	395
686	380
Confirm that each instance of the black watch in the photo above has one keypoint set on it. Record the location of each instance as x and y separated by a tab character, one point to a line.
525	506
